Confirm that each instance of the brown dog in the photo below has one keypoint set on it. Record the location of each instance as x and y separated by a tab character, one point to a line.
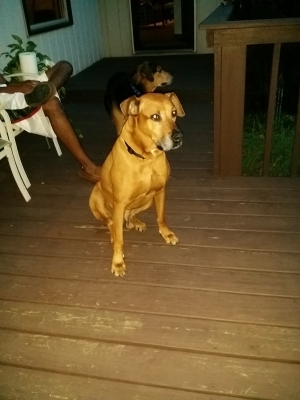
136	171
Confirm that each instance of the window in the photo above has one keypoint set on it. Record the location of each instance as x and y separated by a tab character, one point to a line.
46	15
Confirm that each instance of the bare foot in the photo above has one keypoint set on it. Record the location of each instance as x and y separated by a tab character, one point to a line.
90	174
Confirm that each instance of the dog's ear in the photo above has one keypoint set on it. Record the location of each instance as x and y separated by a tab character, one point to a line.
175	100
130	106
146	69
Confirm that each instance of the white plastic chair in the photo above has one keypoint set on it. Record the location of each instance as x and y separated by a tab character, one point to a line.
8	146
8	149
49	133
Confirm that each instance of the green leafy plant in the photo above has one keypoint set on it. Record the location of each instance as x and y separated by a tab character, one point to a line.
12	55
281	148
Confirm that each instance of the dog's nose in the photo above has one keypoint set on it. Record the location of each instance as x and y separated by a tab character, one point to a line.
177	135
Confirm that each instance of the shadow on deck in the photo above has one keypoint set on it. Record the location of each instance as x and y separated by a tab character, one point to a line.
216	317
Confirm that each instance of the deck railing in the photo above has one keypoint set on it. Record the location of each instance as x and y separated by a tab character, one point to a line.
230	40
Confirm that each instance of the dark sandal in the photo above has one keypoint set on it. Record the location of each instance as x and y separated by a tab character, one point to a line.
42	93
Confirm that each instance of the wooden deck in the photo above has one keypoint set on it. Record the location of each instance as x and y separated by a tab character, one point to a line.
216	317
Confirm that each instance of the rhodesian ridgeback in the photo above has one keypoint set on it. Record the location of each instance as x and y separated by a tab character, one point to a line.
135	173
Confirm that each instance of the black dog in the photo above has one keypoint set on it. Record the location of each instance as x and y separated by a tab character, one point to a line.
146	78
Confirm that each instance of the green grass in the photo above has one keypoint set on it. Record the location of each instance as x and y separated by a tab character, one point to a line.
281	149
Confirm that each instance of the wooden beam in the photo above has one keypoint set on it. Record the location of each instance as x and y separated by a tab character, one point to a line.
255	23
271	108
296	148
232	93
258	35
217	108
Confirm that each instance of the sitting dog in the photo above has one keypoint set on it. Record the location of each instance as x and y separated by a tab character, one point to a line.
136	171
145	79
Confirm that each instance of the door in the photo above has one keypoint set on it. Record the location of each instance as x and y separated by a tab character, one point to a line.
188	22
163	24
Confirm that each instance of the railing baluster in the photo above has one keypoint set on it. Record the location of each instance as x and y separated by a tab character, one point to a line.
296	149
271	107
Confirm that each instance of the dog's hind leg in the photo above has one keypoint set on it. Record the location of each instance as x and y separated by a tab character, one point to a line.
132	221
100	209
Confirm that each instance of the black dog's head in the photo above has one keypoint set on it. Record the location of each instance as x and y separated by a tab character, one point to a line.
150	75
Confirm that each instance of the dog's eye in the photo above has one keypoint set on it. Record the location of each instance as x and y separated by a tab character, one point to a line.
155	117
174	113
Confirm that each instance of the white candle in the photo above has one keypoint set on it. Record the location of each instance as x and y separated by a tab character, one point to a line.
28	64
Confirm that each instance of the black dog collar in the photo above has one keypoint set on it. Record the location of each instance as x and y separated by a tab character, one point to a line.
135	90
131	151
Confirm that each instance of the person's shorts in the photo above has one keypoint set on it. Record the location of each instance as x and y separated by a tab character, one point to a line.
20	115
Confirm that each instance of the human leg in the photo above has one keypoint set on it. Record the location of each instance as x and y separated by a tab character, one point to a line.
64	130
60	73
57	76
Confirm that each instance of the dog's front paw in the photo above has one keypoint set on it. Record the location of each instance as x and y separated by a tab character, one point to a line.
118	268
169	237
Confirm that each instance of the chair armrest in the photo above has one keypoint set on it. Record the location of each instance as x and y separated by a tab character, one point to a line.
2	103
21	74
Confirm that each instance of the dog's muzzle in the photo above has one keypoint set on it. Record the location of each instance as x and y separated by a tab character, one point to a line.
167	82
172	141
177	137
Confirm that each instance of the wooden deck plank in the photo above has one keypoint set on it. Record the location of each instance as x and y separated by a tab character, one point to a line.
79	204
160	254
183	219
230	194
224	306
233	207
232	239
144	365
204	336
206	278
23	384
195	191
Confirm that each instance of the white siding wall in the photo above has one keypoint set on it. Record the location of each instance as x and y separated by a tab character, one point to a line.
80	43
116	28
204	8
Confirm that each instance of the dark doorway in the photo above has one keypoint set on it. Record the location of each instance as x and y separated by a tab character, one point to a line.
163	24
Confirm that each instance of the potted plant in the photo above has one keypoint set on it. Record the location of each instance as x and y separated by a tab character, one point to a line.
44	62
13	65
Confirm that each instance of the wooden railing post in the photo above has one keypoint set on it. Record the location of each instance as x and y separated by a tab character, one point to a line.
296	148
271	108
230	70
